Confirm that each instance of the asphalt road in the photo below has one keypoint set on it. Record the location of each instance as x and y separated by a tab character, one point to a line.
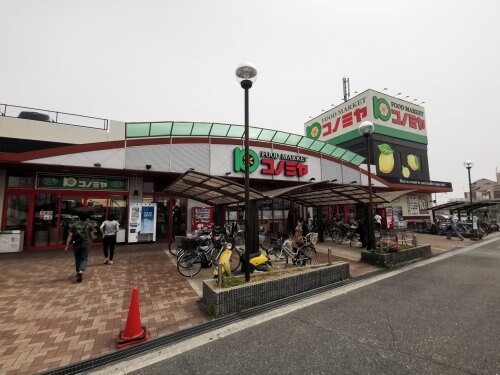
442	317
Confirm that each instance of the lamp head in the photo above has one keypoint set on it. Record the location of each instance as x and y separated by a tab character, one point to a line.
468	164
366	128
246	74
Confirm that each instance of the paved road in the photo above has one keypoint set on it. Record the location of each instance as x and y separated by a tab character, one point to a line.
441	316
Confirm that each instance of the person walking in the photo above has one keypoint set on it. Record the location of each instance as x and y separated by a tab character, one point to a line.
81	234
297	238
378	221
452	228
363	230
109	229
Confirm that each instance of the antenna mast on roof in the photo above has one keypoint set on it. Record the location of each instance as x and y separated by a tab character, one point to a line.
347	89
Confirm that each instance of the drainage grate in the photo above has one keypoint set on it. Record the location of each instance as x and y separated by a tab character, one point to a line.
160	342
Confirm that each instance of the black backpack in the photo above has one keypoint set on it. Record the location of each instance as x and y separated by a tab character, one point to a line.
77	236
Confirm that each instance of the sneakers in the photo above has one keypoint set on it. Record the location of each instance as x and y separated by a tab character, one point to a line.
79	277
110	262
106	261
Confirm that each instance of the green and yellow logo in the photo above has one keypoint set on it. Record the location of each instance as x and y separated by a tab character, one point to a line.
381	109
313	131
239	160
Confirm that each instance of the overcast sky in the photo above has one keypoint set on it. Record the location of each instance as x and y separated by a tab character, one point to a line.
175	61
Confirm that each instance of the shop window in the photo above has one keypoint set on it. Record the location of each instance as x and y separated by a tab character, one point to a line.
118	209
21	182
17	212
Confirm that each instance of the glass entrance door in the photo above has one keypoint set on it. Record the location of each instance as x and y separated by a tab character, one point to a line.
163	224
46	220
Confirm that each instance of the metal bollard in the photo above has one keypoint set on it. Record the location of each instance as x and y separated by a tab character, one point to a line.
329	256
414	240
219	275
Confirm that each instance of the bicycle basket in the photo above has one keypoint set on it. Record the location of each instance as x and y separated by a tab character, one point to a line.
189	244
287	246
312	238
178	241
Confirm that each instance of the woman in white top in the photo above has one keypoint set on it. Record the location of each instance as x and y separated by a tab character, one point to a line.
109	228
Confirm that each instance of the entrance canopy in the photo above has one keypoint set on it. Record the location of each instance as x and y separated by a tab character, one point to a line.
317	194
214	191
210	189
464	206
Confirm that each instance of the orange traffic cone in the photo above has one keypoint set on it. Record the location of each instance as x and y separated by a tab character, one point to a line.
134	332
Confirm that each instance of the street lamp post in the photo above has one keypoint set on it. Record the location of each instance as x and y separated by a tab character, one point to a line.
366	129
246	75
469	164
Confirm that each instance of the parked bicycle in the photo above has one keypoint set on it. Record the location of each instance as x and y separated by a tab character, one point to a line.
301	255
189	264
347	233
197	253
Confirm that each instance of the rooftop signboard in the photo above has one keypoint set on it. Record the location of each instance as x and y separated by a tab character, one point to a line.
391	116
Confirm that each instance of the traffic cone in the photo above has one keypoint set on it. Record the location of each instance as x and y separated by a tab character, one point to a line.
134	332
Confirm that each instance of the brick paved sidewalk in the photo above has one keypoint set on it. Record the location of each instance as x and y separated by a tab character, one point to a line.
47	320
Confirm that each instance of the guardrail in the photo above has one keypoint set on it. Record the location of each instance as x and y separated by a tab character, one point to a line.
44	115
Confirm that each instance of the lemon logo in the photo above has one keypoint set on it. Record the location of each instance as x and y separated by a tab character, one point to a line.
405	172
386	158
239	160
381	109
413	162
314	131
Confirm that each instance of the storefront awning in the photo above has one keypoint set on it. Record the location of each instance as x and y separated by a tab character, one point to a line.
214	190
316	195
208	189
464	206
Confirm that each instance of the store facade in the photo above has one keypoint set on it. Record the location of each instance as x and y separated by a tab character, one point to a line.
47	179
398	147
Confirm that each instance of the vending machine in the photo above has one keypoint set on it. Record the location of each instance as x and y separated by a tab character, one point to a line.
202	217
142	222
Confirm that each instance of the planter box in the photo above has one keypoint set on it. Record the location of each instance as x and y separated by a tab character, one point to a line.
392	259
223	301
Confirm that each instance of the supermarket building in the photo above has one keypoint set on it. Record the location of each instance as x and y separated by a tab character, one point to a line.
54	165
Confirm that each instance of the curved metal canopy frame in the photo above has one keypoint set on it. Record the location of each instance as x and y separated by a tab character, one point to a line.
214	190
209	189
316	195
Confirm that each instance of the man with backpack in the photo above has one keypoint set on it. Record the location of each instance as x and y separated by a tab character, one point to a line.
81	234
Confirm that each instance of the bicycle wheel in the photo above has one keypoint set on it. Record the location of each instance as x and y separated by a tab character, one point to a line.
189	264
179	253
278	258
172	247
265	242
336	233
285	251
341	237
239	238
235	259
310	255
